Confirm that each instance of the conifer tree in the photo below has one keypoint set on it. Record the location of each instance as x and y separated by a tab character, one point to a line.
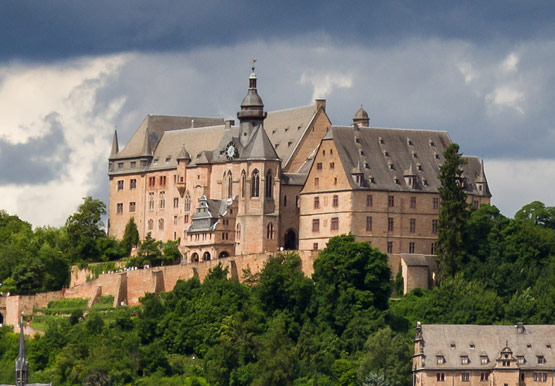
453	214
130	236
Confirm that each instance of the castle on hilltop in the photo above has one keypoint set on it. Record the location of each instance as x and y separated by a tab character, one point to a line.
281	179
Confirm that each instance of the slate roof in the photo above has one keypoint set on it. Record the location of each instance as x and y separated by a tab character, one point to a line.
415	260
452	341
385	156
207	214
157	125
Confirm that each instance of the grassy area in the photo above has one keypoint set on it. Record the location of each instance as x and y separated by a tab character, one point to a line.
64	306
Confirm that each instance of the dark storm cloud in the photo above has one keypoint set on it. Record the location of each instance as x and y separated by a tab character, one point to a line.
46	30
38	160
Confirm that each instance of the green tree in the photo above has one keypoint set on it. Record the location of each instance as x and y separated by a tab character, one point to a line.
538	214
84	228
130	236
149	252
350	277
171	252
453	213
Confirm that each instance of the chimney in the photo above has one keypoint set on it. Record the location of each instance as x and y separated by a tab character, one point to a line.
229	123
520	328
320	103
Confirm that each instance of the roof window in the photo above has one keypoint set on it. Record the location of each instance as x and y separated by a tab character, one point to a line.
155	162
274	131
361	152
381	141
440	359
286	129
409	142
391	166
436	156
289	143
472	347
452	345
414	155
386	153
366	165
464	359
419	167
357	140
168	158
299	127
432	142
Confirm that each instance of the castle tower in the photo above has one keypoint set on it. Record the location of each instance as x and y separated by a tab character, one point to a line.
252	112
258	215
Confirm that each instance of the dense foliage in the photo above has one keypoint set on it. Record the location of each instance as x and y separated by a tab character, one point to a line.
339	327
40	259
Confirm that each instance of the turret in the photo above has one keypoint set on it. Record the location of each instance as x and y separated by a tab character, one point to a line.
361	118
252	112
481	182
183	159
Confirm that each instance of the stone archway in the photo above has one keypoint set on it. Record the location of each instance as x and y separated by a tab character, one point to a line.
194	258
206	256
290	239
223	254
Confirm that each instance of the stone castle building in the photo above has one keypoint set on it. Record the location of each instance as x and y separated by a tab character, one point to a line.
284	178
484	355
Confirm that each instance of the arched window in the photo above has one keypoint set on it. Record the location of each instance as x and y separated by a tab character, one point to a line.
224	185
229	185
206	256
270	231
150	224
269	184
255	184
161	224
243	183
194	258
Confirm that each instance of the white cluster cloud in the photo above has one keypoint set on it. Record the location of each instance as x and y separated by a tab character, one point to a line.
494	103
28	95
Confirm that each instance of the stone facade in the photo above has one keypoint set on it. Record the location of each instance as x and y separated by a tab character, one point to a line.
283	179
484	355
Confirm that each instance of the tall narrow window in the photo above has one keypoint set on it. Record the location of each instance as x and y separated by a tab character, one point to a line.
229	185
176	202
413	202
270	231
435	203
369	200
133	183
150	225
391	201
120	185
412	225
390	247
243	183
269	184
238	232
411	247
390	224
335	201
255	184
187	202
132	206
334	223
368	223
161	224
316	202
119	208
284	200
434	227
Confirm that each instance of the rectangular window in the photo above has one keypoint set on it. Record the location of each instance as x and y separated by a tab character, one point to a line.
390	247
332	165
174	220
413	202
120	185
435	203
133	164
440	377
133	183
485	376
541	359
186	218
119	208
412	225
440	359
120	165
434	227
411	247
316	202
465	377
335	180
314	246
176	202
335	201
315	225
162	180
319	166
433	248
334	223
391	201
131	207
162	203
316	181
368	223
390	224
369	201
151	201
151	181
475	204
464	360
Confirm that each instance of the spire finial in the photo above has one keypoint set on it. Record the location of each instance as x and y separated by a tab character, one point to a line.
253	62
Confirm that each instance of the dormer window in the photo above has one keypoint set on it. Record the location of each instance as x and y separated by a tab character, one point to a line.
386	153
409	142
357	140
464	359
381	141
168	158
436	156
548	345
541	359
391	166
520	359
155	162
484	359
419	167
452	345
472	347
425	182
414	155
432	142
366	166
396	180
361	152
440	359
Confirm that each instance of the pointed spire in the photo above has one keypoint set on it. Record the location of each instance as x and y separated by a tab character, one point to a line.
115	145
146	145
21	363
481	176
183	154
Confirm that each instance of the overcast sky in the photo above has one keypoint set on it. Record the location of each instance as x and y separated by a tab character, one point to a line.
72	71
